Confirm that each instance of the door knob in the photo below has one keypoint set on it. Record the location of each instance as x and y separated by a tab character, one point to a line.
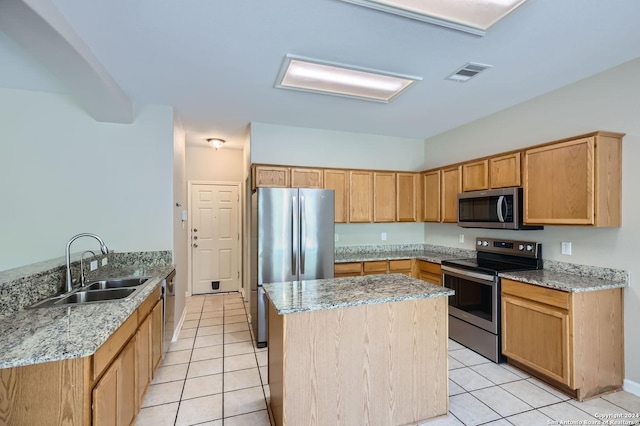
195	246
195	237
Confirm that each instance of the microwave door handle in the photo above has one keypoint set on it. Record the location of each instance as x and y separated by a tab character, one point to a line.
499	207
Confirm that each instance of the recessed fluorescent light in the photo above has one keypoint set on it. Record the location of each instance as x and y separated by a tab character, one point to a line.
312	75
472	16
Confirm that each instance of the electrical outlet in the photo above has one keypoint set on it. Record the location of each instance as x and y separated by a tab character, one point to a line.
566	248
93	265
383	236
104	261
336	237
461	238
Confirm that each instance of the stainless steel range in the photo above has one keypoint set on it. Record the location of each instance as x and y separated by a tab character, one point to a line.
475	309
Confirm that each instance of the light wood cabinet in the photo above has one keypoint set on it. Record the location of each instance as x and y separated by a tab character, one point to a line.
306	178
475	175
574	182
504	170
351	269
384	197
572	340
338	180
408	197
143	359
431	196
401	266
114	401
428	271
374	267
451	187
360	196
270	177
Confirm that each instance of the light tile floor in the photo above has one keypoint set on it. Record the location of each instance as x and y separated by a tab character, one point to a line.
213	375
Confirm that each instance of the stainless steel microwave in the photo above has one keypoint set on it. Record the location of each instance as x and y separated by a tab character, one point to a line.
493	209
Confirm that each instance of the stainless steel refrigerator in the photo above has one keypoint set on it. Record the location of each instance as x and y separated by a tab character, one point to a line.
292	235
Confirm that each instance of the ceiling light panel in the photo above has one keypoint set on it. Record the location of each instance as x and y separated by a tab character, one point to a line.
472	16
311	75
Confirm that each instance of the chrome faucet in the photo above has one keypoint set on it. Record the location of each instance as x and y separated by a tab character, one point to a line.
83	279
103	248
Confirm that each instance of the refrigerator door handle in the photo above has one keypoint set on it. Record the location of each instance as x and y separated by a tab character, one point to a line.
303	234
294	233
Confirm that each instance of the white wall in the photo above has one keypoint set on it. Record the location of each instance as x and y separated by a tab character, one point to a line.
274	144
63	173
607	101
180	228
205	163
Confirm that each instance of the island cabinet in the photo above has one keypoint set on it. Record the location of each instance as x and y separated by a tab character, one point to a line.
573	340
574	182
378	363
360	196
338	181
451	187
384	197
105	388
408	197
431	196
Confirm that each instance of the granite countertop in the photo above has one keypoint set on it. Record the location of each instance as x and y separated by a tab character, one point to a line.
429	256
34	336
333	293
564	281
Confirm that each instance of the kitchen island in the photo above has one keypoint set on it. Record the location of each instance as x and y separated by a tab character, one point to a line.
362	350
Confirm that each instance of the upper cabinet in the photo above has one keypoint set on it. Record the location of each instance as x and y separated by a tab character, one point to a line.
408	197
431	196
504	170
338	180
306	178
574	182
451	187
270	177
475	175
384	197
360	196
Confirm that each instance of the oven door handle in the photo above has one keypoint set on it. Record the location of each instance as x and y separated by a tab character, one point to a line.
446	270
499	207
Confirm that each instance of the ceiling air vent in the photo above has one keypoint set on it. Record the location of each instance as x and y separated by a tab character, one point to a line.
468	71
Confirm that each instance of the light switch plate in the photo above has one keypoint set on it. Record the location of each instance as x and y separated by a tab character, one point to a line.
461	239
104	261
566	248
383	236
336	237
93	265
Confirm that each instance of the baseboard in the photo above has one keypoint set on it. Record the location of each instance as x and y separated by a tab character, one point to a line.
176	333
631	387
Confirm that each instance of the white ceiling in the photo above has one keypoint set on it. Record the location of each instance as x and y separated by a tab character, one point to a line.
216	61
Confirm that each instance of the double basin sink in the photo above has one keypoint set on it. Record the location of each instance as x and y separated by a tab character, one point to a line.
97	291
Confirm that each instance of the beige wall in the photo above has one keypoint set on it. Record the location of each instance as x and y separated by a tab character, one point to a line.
607	101
180	228
205	163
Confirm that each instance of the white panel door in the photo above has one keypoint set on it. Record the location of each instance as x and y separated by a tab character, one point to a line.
215	238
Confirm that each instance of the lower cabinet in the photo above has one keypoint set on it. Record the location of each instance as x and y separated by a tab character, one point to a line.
573	341
428	271
350	269
143	359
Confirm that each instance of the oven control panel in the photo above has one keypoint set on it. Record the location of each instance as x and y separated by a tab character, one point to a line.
518	248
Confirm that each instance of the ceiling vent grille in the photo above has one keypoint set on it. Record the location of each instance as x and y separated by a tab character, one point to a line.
467	72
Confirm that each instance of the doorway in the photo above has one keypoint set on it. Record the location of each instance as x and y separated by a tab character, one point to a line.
215	237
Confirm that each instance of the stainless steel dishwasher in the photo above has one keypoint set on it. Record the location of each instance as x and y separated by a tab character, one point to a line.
168	311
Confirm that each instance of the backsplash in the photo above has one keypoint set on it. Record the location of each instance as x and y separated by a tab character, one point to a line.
23	286
384	248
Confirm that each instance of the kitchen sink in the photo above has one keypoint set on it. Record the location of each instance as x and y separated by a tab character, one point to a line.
96	296
116	283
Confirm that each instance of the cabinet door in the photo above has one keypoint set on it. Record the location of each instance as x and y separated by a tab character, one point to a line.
271	176
127	384
401	266
351	269
143	358
537	335
114	397
559	183
504	171
156	336
451	187
431	196
338	180
360	196
375	267
384	196
105	398
429	272
407	197
475	176
306	178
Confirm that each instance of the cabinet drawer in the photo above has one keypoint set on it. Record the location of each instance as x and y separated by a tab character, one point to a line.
536	293
376	266
430	267
148	304
399	265
347	268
